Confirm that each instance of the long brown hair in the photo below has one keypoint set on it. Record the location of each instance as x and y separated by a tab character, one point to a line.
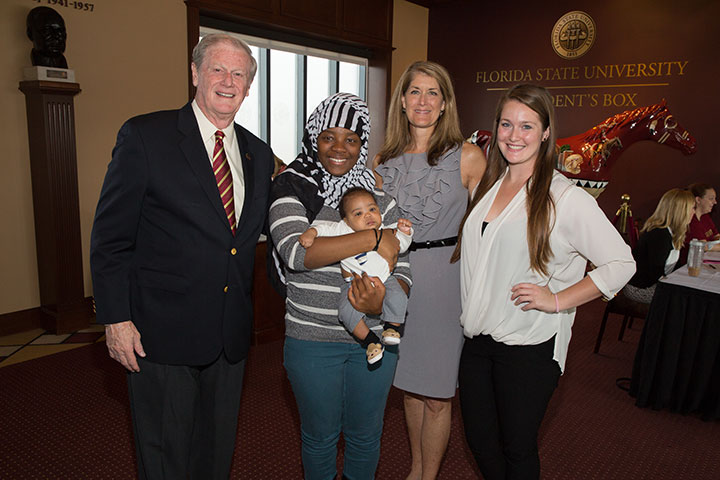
674	210
447	129
540	205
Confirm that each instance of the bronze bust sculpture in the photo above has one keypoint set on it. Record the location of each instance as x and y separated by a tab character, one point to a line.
46	29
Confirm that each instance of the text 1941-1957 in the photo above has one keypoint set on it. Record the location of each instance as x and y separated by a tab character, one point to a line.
84	6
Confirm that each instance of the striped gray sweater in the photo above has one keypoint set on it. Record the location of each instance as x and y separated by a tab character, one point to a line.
313	296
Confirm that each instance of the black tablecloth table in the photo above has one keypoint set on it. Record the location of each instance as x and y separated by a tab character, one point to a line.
677	364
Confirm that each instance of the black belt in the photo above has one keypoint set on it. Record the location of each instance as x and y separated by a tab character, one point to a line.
445	242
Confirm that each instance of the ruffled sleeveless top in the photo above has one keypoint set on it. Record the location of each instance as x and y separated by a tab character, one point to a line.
433	198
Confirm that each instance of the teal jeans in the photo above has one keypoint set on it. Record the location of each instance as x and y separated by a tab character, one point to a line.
337	391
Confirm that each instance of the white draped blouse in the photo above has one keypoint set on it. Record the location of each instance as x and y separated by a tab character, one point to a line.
494	261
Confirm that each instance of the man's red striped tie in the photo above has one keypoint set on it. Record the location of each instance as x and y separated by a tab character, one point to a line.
223	177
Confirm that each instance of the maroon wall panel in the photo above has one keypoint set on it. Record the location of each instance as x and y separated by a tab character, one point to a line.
492	45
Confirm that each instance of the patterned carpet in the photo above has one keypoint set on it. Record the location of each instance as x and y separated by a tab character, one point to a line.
66	416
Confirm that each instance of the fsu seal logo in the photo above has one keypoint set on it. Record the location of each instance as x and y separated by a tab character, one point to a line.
573	35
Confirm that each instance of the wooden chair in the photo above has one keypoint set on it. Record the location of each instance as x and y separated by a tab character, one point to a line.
629	309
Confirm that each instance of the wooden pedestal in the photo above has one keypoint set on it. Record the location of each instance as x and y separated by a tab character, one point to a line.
51	134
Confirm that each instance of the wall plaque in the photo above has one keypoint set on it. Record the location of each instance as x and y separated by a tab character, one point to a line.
573	35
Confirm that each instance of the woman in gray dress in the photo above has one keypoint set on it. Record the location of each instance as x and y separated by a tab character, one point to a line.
429	169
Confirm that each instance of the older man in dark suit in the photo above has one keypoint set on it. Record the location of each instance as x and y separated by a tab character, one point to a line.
172	252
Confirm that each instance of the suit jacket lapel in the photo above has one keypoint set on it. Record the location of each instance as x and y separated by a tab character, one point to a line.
194	150
248	165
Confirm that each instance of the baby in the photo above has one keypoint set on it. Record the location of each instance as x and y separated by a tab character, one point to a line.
359	211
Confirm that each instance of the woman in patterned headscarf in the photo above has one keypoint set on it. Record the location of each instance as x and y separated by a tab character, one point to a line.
335	388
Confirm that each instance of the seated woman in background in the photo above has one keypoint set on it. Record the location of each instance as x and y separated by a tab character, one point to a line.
658	247
701	225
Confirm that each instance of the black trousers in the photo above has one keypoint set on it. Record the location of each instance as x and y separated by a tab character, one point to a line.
185	418
504	392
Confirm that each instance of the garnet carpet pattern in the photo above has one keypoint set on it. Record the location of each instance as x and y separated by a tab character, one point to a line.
66	416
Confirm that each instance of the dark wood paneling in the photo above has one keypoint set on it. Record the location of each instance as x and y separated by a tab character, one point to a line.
193	33
430	3
371	26
261	5
363	17
321	12
268	306
24	320
378	96
20	321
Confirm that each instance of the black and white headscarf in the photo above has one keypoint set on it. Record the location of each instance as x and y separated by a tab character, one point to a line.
306	178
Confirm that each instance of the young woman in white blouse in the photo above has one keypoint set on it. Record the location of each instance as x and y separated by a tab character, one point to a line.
524	245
